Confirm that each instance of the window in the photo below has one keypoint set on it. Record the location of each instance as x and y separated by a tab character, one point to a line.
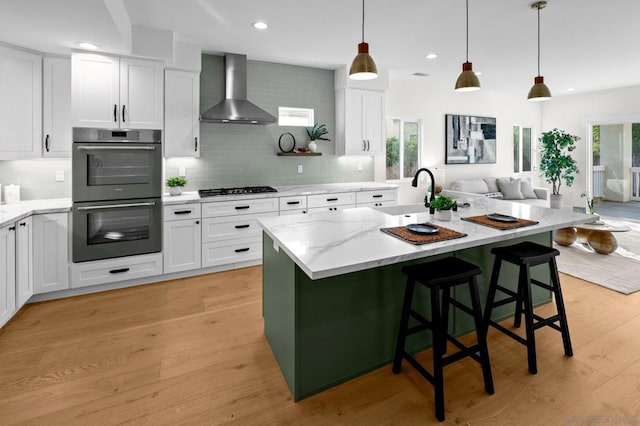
521	149
288	116
403	142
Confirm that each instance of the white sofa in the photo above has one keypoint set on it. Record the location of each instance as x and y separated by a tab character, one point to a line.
519	190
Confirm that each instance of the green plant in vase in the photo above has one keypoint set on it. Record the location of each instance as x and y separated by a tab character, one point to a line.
316	133
443	204
175	184
556	163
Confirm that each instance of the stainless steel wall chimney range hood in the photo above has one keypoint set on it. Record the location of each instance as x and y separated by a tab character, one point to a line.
235	108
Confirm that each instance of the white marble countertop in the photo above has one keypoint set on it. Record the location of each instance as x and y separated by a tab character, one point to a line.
336	243
283	191
10	213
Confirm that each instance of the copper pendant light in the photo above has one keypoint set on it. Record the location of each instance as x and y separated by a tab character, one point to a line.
539	91
363	67
467	80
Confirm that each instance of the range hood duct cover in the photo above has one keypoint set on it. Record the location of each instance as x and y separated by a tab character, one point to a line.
235	108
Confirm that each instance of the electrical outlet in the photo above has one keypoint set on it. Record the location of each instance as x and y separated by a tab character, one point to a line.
300	168
359	167
59	175
182	172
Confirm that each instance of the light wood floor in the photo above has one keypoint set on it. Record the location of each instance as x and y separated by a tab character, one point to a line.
192	351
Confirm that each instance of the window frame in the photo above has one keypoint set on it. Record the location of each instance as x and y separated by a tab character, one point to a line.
402	120
532	148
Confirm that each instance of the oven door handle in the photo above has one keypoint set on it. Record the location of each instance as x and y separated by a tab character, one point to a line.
117	206
116	148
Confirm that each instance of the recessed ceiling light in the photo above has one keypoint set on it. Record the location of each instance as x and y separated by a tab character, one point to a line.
431	56
570	89
260	25
87	45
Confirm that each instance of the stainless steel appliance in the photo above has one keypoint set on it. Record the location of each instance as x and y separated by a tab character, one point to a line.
116	164
235	191
117	189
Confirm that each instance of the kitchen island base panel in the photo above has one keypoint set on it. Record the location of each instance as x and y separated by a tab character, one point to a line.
327	331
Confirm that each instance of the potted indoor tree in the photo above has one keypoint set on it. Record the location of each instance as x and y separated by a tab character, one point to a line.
175	184
443	205
556	163
316	133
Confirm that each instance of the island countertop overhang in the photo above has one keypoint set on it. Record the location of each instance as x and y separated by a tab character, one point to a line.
336	243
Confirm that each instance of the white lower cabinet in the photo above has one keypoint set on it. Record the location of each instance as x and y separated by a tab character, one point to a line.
50	252
7	273
182	246
24	261
378	204
86	274
231	251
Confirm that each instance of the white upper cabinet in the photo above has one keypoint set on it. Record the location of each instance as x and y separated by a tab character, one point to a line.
181	114
113	92
56	107
20	104
360	122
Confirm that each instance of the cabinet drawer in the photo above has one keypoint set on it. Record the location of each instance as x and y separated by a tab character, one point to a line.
379	204
292	212
293	203
181	212
231	251
330	209
326	200
232	227
375	196
236	207
112	270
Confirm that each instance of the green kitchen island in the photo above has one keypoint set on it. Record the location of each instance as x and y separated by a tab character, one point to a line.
333	286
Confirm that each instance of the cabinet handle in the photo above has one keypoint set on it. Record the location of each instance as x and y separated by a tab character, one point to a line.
197	222
241	250
46	143
13	228
196	150
183	211
123	107
332	199
23	224
242	226
242	207
292	203
377	196
119	271
368	145
364	145
115	113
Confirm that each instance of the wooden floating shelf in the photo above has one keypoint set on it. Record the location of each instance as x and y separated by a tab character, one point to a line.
299	154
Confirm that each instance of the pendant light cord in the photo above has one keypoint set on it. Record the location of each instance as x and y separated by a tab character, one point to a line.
467	30
538	39
363	21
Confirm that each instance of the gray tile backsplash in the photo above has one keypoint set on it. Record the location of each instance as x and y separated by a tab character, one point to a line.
234	154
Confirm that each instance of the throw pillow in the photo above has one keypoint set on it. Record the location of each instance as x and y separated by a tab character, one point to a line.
477	186
491	184
511	189
526	187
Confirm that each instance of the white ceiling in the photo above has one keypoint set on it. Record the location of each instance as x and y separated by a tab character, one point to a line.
586	44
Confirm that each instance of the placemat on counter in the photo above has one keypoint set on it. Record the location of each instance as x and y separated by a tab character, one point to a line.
411	237
484	220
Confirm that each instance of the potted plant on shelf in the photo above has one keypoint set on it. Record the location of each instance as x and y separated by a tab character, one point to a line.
175	184
443	205
316	133
556	163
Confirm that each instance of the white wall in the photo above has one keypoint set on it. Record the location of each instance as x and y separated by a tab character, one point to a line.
572	113
415	98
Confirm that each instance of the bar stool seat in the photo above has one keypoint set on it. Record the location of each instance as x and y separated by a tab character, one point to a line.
526	255
440	276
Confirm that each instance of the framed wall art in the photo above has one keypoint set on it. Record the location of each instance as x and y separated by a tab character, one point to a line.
470	139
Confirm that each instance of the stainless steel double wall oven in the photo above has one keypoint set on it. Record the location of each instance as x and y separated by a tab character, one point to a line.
117	193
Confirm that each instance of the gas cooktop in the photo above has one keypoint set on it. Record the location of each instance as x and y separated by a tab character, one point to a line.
235	191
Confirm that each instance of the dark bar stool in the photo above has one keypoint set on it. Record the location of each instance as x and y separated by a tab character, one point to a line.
525	255
442	274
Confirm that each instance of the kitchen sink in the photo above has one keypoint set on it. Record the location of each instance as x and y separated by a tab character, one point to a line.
403	209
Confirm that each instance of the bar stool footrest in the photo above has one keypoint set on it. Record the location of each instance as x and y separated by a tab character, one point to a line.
509	333
543	285
418	367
